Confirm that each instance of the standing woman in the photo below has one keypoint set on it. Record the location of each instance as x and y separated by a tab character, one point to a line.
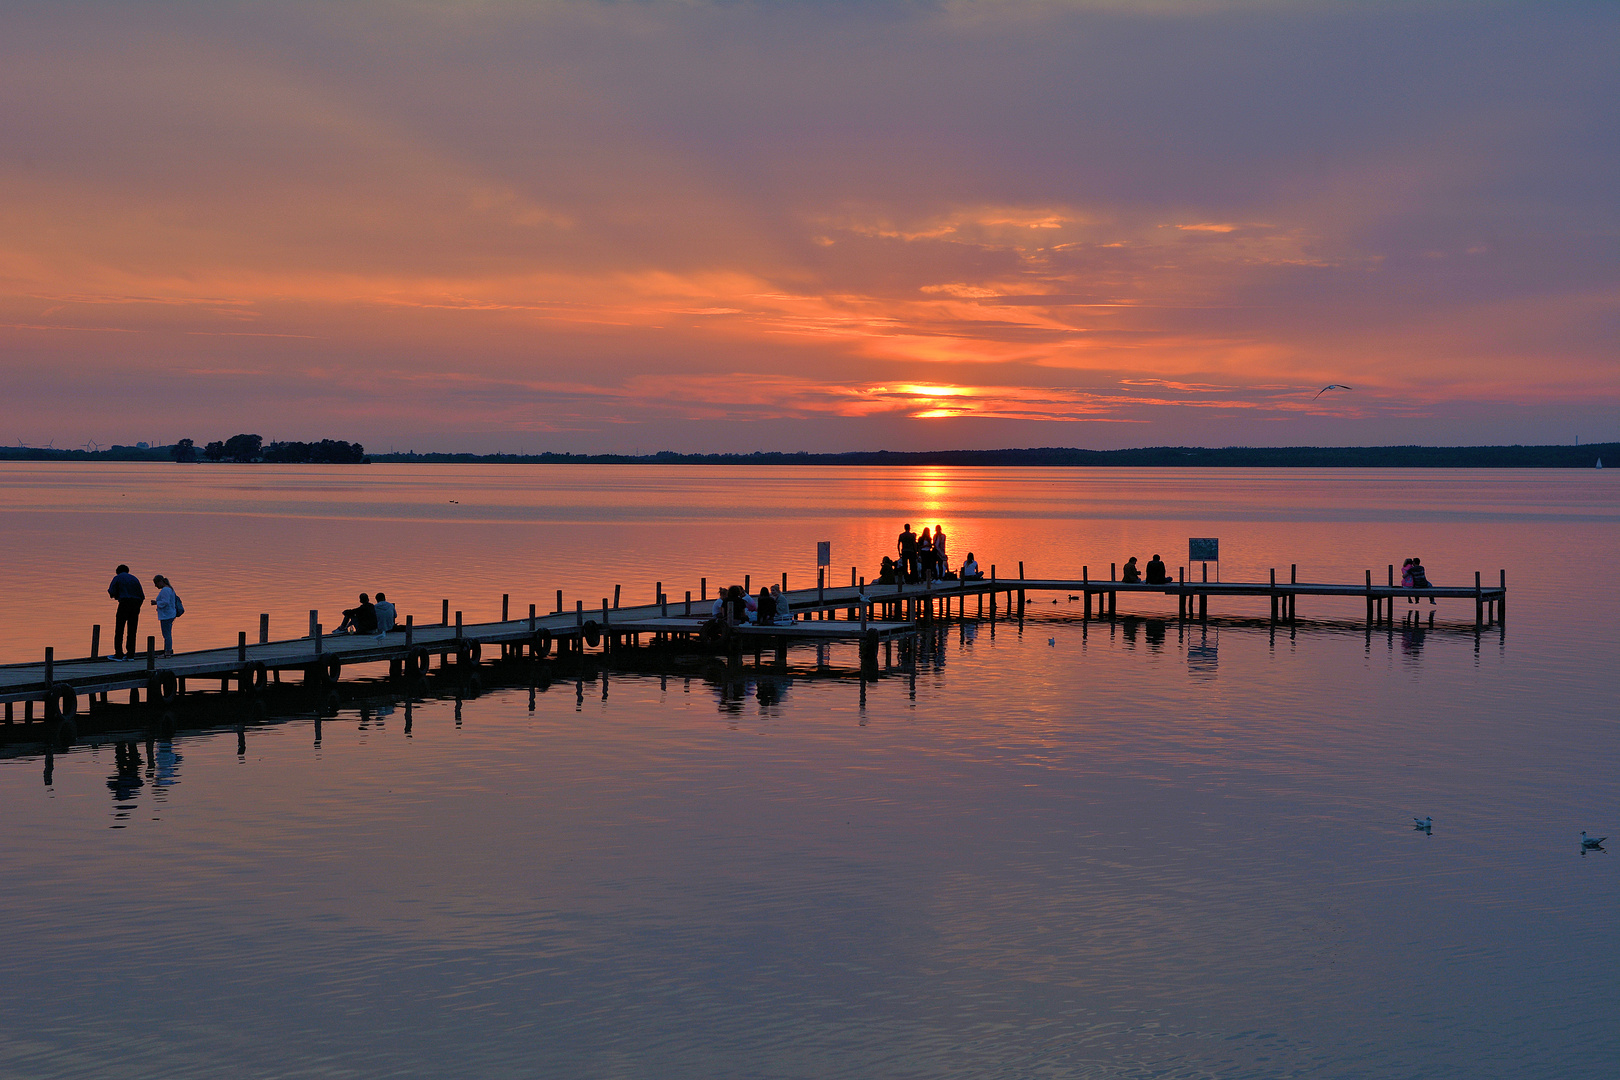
942	562
168	609
925	555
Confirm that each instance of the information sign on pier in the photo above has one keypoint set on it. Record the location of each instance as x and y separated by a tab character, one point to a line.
823	552
1203	549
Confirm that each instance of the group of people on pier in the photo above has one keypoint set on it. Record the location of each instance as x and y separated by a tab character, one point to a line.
1413	576
367	617
924	558
735	607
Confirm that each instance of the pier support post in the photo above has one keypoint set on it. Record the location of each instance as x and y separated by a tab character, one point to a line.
1085	589
531	618
1501	602
1479	603
1293	597
50	667
410	630
241	646
458	628
1369	600
1273	596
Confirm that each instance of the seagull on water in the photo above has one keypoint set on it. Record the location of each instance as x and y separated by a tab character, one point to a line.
1591	843
1424	824
1332	386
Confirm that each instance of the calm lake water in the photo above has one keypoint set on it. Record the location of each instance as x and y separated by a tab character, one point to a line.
1059	849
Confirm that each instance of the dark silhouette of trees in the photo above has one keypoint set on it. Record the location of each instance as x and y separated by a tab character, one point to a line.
243	447
184	450
325	452
214	451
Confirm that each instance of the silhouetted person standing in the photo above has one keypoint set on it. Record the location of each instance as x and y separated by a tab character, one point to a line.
907	543
126	589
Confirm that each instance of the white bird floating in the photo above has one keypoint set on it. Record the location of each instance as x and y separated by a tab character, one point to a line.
1424	823
1591	843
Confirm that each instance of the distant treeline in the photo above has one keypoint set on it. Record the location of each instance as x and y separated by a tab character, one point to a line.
253	448
238	448
1231	457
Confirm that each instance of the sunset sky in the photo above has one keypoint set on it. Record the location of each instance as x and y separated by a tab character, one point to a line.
810	226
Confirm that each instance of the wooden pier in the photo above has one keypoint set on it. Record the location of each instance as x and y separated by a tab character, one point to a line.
867	614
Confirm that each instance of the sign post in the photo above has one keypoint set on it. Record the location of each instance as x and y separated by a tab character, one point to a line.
1205	549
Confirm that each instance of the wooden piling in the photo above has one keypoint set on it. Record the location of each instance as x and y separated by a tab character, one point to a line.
410	631
506	600
458	628
559	602
314	617
241	646
50	666
444	612
531	618
95	642
688	601
264	628
615	598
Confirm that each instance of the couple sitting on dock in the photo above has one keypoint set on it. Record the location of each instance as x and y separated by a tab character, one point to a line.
1156	573
1413	576
369	618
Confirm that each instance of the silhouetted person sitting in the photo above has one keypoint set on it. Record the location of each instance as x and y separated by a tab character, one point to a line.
1156	573
970	569
1131	575
387	614
1420	577
359	620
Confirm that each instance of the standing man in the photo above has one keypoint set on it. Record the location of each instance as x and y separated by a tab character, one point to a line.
907	543
126	589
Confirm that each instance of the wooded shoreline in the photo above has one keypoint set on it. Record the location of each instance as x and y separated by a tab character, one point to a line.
1584	456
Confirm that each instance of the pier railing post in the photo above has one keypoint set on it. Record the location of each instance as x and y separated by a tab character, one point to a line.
410	630
703	588
615	599
444	612
50	667
264	628
1501	602
559	602
1479	603
1369	599
1274	595
314	619
95	642
579	615
689	601
531	618
458	628
506	599
241	646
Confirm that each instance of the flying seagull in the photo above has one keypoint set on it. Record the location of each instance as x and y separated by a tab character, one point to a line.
1332	386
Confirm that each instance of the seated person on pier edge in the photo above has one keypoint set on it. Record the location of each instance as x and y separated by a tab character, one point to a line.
359	620
970	569
387	615
1156	573
1131	575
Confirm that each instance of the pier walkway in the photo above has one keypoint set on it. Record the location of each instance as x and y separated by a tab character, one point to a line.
861	612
